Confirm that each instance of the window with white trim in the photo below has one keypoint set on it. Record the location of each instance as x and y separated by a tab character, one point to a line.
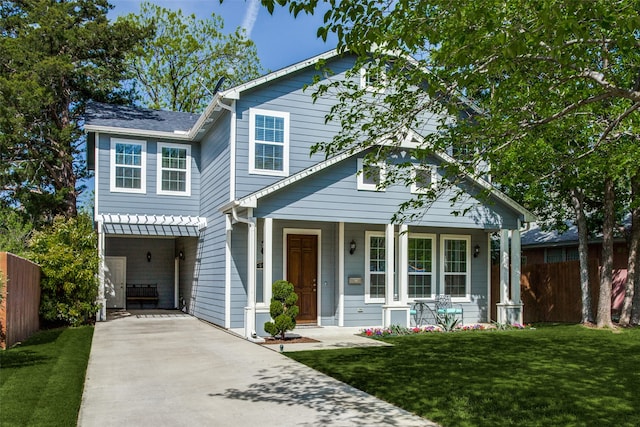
422	178
375	280
370	176
268	142
373	80
174	169
420	265
456	266
128	166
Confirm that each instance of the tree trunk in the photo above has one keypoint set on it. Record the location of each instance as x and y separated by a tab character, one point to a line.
632	266
606	272
631	306
577	200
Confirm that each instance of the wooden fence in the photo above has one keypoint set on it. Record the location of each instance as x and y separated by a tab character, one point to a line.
20	293
551	292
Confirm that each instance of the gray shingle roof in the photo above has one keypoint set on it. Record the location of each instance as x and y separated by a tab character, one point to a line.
122	116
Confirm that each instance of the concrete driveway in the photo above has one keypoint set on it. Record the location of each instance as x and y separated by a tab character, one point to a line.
178	371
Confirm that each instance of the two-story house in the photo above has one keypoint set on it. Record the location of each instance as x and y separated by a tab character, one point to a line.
213	208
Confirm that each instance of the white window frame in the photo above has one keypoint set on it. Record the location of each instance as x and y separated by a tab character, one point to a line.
367	280
414	172
423	236
364	84
360	174
143	166
159	168
253	112
467	238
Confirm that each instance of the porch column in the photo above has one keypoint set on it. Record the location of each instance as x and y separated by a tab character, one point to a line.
389	270
515	314
101	315
403	260
267	261
341	252
227	271
504	277
250	309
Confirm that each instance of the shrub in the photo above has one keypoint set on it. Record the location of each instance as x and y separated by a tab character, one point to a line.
67	254
282	309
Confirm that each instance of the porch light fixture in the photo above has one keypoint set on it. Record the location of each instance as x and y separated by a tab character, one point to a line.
181	254
352	247
148	256
476	251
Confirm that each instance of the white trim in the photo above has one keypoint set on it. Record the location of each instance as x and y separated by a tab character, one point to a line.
142	167
267	261
403	260
367	263
196	221
232	152
414	172
364	84
309	231
390	267
137	132
433	238
159	169
252	142
101	314
227	271
504	266
364	186
176	282
96	174
234	93
467	238
341	254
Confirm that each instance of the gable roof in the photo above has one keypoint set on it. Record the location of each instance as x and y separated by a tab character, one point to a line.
251	200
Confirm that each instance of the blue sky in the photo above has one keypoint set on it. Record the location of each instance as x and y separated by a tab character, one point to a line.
280	39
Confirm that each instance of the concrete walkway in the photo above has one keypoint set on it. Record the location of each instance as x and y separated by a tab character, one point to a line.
174	370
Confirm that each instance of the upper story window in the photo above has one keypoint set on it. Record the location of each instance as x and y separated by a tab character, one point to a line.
456	266
174	169
268	142
423	178
370	176
373	79
128	166
375	280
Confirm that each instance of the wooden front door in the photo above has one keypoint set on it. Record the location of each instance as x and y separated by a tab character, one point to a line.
302	271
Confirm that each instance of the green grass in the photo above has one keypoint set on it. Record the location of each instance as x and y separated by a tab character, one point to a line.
550	376
41	380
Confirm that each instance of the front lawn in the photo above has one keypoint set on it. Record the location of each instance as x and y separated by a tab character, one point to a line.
549	376
41	380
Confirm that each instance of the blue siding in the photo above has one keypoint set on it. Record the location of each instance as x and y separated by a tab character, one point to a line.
149	203
140	271
332	195
209	290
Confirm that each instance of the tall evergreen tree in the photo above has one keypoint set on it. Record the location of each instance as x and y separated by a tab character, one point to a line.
55	55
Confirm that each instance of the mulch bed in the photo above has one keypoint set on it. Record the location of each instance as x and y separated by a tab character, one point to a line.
287	340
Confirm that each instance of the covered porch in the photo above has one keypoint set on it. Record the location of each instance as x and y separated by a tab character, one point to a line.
142	259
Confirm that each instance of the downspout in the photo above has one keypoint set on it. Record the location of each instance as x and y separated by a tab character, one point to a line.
250	309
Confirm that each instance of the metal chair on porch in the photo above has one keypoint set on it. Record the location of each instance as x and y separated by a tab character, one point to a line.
444	307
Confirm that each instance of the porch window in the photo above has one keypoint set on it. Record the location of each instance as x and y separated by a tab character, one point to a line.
269	142
128	166
456	266
420	266
376	264
370	176
174	169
